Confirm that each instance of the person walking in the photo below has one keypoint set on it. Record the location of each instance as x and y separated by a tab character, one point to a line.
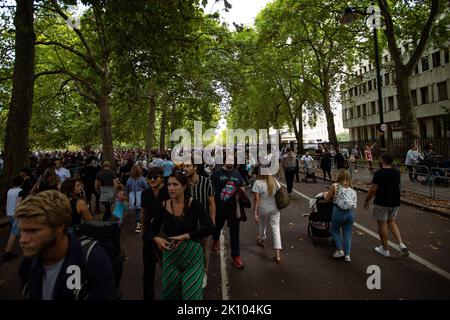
226	181
288	164
104	184
266	210
343	216
184	222
386	190
135	185
71	187
325	165
151	200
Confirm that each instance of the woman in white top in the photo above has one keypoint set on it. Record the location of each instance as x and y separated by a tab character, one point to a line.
266	210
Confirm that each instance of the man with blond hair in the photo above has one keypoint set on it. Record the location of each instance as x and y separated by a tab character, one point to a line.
55	265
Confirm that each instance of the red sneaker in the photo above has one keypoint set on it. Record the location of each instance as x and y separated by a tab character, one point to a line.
215	246
237	263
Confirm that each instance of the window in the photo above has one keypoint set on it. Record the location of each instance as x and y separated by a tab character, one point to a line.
358	111
364	88
351	113
374	84
365	69
416	69
446	58
350	92
356	90
386	79
373	107
442	91
364	110
424	94
414	97
425	65
370	66
436	57
369	83
391	103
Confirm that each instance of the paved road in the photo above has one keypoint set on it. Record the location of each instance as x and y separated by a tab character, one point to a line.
307	271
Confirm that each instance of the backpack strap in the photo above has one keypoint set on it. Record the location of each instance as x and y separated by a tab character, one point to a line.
87	244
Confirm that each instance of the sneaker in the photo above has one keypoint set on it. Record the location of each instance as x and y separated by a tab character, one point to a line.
215	246
205	281
138	228
237	263
383	251
347	258
338	254
404	250
10	256
291	195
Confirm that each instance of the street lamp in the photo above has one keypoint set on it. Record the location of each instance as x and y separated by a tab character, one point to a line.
349	17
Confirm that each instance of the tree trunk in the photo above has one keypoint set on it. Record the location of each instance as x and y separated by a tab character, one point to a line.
105	124
151	123
329	114
162	138
21	106
172	124
407	112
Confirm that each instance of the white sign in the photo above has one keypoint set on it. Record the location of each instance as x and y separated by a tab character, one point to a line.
383	127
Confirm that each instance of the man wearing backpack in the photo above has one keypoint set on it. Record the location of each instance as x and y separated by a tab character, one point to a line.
226	181
55	266
386	189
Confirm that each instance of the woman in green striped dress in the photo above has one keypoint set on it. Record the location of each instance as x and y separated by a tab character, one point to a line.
184	222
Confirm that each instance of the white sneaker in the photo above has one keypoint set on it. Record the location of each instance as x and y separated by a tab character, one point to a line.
403	250
205	281
382	251
347	258
338	254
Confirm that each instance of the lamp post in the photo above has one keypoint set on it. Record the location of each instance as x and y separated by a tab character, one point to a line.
349	17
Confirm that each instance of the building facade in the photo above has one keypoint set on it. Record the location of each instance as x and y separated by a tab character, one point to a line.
429	85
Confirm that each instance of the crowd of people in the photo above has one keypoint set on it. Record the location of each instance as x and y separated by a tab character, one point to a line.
179	209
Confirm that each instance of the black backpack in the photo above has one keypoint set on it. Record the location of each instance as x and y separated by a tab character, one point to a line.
107	235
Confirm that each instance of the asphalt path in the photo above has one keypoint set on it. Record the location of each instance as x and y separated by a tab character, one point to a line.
306	271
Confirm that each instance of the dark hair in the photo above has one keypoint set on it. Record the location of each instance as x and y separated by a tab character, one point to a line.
154	171
68	186
17	181
387	158
27	171
183	179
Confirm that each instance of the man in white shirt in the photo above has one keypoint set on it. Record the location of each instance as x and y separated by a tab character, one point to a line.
62	172
307	161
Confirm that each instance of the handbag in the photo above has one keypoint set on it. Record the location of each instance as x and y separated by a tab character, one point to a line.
281	197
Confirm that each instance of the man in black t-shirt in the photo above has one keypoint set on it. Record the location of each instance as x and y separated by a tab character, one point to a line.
226	181
386	189
151	199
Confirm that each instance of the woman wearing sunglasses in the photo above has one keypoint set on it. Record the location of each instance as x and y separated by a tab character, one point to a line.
185	222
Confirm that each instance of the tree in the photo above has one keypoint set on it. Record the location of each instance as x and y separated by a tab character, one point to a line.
20	109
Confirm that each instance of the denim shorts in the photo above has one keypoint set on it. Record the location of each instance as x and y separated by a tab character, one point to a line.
14	226
384	213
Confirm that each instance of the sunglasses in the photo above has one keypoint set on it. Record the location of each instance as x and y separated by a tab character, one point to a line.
154	177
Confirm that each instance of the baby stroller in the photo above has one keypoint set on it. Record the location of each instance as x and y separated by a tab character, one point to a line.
320	218
309	174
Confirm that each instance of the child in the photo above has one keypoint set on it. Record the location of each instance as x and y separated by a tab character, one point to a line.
120	204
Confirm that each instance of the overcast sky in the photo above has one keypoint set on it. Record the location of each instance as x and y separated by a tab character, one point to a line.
242	11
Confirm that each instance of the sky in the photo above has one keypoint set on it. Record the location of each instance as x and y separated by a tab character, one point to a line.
242	11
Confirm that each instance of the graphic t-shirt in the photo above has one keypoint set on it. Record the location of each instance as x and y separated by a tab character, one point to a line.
225	185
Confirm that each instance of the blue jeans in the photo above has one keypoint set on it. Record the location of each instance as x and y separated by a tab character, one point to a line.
342	219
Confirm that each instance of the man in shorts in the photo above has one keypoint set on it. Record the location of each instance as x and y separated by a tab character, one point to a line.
386	189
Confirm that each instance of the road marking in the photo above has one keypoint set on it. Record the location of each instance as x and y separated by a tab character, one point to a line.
223	269
413	256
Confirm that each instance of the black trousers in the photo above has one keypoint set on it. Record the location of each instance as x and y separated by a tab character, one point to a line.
289	174
234	226
150	260
325	171
107	214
